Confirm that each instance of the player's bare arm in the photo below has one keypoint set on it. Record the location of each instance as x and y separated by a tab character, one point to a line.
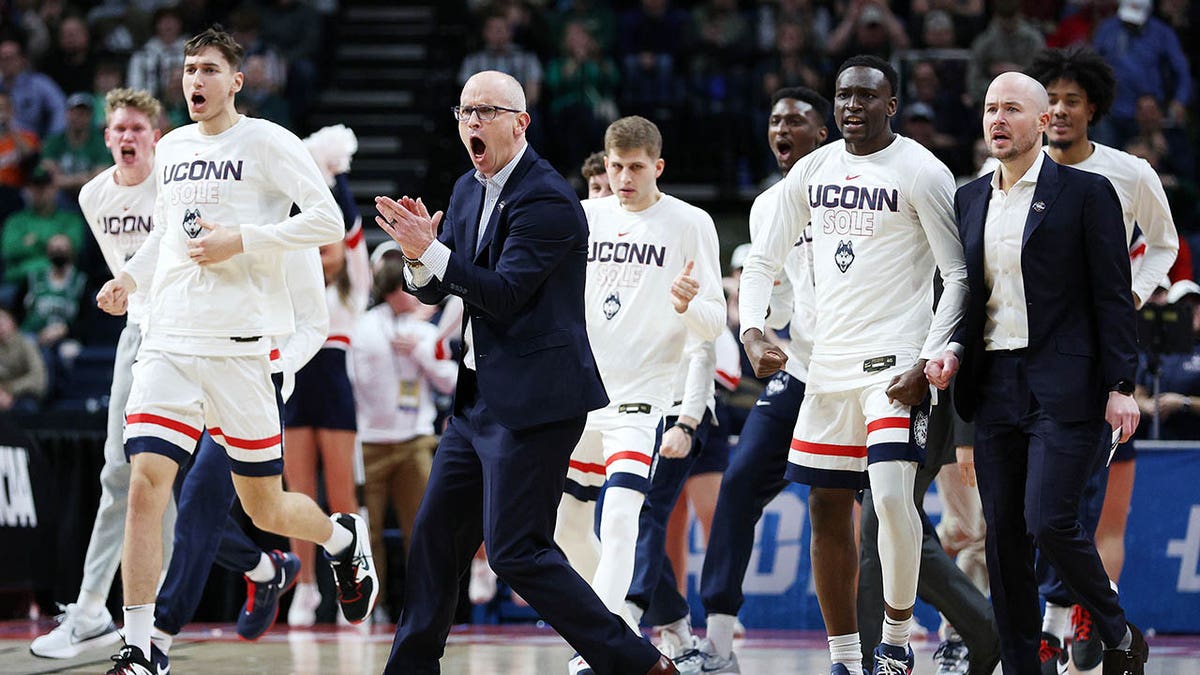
766	358
909	387
408	223
221	243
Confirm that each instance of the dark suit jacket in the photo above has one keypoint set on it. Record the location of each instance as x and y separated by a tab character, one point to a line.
523	291
1075	264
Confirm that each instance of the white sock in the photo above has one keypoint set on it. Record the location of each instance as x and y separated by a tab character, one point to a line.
264	571
139	620
618	542
161	639
1056	621
720	633
846	650
89	603
339	541
635	611
681	629
896	633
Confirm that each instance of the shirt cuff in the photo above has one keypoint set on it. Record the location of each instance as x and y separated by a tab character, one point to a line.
957	349
436	259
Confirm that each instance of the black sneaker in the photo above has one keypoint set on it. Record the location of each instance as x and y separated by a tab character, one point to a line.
262	600
130	661
1051	656
1087	651
354	569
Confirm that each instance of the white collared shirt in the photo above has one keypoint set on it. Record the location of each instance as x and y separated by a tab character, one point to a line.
1007	323
437	256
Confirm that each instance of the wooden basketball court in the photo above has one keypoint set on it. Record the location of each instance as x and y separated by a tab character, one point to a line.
214	649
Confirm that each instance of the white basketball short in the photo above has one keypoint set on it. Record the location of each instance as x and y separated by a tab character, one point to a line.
617	447
176	396
839	433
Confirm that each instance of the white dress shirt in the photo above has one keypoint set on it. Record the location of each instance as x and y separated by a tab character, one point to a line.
437	256
1007	324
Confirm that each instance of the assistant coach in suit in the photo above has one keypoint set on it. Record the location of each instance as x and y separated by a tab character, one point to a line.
513	246
1048	358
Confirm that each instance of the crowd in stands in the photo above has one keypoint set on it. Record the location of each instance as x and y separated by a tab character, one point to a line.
58	59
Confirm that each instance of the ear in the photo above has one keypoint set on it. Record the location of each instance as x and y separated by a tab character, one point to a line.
892	106
1091	112
659	165
523	120
822	134
239	78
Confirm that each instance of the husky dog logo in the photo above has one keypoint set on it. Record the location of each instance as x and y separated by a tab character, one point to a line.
612	305
920	428
191	222
844	255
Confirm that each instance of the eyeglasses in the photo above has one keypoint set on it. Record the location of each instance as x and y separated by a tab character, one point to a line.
486	113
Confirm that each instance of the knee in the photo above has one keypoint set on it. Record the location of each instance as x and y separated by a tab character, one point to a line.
892	507
828	508
619	521
1050	533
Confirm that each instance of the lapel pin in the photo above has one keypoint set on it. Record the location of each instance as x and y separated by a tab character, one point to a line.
500	206
1039	206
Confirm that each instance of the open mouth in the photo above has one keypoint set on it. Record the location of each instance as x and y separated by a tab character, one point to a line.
853	123
197	99
478	148
128	153
783	148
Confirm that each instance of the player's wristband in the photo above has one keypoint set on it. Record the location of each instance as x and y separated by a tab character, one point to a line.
687	428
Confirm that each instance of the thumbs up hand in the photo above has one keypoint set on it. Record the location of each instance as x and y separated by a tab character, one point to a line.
684	288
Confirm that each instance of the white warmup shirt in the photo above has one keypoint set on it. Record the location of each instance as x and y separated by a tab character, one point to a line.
392	392
706	364
1143	203
633	257
306	293
880	225
792	298
248	175
121	218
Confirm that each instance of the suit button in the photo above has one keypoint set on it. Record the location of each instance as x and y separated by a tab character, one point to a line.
482	356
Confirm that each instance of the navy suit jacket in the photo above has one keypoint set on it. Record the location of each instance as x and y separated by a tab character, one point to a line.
522	289
1075	266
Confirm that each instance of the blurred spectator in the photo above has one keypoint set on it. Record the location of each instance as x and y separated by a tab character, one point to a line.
22	373
38	104
595	174
150	64
980	154
1009	43
1183	195
650	44
27	232
118	27
109	75
1184	18
77	154
955	125
967	17
70	62
814	20
398	362
246	28
1178	401
19	149
919	122
1147	58
868	27
52	297
1077	27
795	62
37	21
721	54
530	28
294	30
937	31
596	17
1171	143
499	53
581	90
175	112
259	96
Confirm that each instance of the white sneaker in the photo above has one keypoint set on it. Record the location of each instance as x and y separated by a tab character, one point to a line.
673	647
739	631
305	602
482	588
75	633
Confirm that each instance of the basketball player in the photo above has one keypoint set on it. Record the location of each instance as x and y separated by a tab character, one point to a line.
882	220
596	175
225	189
653	284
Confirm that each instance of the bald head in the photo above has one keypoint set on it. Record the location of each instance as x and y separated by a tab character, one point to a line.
1014	86
500	88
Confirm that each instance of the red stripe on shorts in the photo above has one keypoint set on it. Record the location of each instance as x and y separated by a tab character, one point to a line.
888	423
587	467
245	444
628	454
174	425
859	451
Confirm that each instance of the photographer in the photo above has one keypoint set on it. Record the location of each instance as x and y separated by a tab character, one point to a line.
1179	383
